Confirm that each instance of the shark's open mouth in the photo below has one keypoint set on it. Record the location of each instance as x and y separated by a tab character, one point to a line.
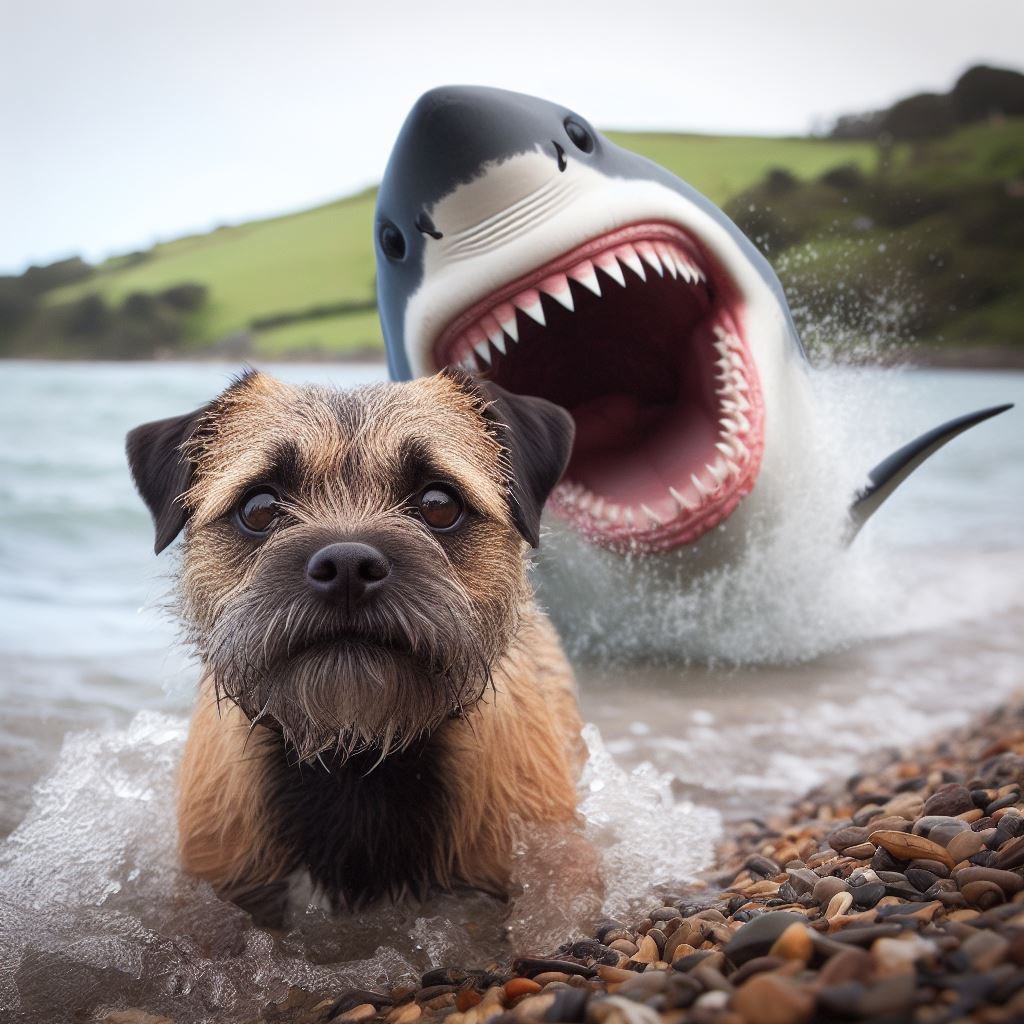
639	334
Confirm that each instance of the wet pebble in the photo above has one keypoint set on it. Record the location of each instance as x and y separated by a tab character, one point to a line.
902	898
757	937
949	800
827	887
770	999
867	895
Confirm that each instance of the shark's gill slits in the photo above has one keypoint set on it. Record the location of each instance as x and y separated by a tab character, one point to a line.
639	333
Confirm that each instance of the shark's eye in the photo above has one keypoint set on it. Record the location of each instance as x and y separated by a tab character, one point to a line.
392	241
581	138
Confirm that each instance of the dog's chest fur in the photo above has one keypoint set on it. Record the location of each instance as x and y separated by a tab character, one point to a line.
365	828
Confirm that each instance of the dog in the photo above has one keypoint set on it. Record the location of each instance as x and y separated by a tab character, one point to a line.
382	700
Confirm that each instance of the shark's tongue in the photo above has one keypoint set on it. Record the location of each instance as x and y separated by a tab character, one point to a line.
632	446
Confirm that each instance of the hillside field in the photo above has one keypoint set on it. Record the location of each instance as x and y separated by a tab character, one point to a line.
324	257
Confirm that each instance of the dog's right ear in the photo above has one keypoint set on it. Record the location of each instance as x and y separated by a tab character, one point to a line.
162	472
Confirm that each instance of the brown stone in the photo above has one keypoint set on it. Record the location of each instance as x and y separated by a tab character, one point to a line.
827	887
613	975
862	851
364	1011
411	1012
1009	882
985	950
846	837
851	964
769	999
795	943
906	846
983	895
964	845
547	977
949	800
520	987
839	904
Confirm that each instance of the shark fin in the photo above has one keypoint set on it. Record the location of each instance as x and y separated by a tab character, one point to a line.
892	471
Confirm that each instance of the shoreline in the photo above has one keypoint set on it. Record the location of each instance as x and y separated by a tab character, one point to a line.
918	356
896	895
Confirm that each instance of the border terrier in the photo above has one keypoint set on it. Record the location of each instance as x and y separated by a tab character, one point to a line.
381	697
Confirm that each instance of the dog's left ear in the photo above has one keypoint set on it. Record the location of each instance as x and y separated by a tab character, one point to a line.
161	471
537	437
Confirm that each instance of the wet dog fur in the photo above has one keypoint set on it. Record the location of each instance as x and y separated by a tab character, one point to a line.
385	738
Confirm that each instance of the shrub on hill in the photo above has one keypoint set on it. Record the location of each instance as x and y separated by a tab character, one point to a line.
979	93
983	92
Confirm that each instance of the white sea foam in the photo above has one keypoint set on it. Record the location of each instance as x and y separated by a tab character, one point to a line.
796	589
94	913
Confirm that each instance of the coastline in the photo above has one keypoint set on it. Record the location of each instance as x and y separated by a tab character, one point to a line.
897	895
919	355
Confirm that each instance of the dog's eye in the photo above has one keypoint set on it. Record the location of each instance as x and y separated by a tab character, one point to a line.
257	511
440	507
581	138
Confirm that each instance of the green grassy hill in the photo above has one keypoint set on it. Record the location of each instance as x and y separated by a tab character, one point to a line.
934	227
928	248
324	257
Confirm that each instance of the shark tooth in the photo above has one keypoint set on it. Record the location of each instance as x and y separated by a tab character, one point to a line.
493	331
557	286
610	265
627	255
584	274
702	488
650	257
505	314
717	470
649	512
483	350
667	258
686	272
529	303
682	501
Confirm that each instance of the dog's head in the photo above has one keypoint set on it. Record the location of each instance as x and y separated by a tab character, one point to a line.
353	560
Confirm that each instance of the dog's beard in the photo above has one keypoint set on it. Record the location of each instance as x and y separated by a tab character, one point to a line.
330	683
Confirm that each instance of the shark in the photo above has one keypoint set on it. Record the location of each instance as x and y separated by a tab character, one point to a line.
517	242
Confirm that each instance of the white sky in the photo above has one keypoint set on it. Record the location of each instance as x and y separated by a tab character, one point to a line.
128	121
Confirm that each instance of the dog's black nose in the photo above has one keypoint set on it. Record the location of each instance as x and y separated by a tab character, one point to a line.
347	571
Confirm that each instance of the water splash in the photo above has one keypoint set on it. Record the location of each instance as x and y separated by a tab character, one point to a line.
95	915
793	588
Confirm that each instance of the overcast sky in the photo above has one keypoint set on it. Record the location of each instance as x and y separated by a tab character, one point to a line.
132	121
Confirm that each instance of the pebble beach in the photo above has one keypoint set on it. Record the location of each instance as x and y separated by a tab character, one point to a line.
897	896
